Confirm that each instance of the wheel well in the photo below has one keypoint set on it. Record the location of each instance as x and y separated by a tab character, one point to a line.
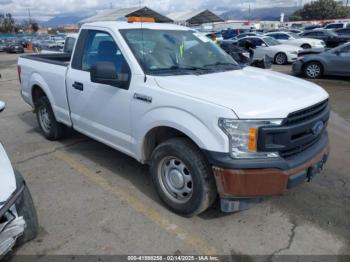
37	93
157	136
305	44
314	61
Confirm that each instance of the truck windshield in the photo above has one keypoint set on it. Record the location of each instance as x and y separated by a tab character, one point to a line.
164	52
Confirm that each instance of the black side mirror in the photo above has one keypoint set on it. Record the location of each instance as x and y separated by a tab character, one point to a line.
2	106
106	73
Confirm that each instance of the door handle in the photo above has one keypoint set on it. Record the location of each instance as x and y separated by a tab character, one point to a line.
78	86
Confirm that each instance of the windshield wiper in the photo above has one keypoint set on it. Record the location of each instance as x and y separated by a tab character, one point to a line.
221	64
194	68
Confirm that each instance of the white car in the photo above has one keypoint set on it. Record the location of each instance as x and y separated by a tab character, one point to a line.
18	219
172	99
263	45
296	40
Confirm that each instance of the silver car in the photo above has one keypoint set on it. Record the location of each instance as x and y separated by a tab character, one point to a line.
334	61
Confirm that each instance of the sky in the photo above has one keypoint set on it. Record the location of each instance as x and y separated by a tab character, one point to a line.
45	9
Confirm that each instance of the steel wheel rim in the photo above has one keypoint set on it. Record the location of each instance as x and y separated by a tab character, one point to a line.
280	59
44	119
313	70
175	179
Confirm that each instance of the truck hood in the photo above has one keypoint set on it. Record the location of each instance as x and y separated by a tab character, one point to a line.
252	93
7	177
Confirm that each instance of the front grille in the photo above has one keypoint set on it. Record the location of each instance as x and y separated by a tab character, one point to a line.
305	114
299	149
296	133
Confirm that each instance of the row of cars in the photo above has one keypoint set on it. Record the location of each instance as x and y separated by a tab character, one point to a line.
18	44
13	46
314	53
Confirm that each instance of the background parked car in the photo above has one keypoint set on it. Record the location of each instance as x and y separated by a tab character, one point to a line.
337	25
335	61
264	45
14	47
296	40
343	31
237	37
2	46
312	27
331	38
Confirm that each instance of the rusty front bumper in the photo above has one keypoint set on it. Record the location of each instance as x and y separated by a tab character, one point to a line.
253	183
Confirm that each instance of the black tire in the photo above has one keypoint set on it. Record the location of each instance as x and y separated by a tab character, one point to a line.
55	130
313	70
281	59
203	186
25	208
305	46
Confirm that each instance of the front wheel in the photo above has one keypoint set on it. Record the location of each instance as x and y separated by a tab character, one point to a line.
182	176
313	70
306	46
281	59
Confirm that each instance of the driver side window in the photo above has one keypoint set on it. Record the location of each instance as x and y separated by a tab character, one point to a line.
101	47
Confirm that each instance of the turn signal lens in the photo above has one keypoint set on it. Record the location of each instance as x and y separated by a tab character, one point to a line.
252	139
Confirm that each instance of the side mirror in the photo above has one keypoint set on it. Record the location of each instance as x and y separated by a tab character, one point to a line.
263	45
106	73
2	106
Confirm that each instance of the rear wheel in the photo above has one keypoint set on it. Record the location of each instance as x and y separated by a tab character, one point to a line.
183	178
51	129
313	70
281	59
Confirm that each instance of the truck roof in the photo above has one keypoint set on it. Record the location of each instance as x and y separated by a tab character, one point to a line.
135	25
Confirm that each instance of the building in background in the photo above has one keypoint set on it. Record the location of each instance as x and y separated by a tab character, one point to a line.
195	18
124	13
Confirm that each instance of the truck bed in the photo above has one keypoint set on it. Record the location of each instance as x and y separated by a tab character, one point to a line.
62	59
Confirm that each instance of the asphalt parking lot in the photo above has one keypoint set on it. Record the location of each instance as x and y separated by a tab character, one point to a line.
94	200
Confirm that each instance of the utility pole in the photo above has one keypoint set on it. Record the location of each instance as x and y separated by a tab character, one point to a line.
249	16
29	16
347	2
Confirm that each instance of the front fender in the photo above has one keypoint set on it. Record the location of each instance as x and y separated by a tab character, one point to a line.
205	134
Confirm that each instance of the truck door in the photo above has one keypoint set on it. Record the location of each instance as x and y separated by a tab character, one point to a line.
100	111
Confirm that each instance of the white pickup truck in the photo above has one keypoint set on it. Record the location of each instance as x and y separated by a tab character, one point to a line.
170	98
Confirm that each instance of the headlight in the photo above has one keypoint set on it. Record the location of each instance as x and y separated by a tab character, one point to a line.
294	53
243	136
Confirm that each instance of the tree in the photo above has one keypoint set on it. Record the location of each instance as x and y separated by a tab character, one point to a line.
321	9
35	26
30	25
7	23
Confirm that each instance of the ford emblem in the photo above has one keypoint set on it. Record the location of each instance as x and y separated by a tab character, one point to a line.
317	128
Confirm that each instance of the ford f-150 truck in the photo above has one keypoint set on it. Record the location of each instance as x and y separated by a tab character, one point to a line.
170	98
